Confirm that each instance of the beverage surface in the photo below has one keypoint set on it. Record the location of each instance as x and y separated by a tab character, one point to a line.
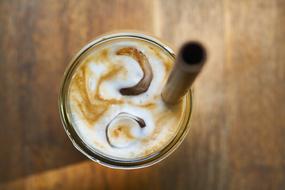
114	99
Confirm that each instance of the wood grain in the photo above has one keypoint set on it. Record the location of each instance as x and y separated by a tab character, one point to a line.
237	137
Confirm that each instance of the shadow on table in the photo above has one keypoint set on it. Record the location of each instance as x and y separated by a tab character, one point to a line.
40	151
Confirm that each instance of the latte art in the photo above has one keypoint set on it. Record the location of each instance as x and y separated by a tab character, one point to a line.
115	103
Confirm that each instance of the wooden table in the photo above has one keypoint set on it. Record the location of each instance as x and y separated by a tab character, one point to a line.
237	137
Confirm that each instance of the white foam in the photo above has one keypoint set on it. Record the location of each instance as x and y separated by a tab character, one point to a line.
95	135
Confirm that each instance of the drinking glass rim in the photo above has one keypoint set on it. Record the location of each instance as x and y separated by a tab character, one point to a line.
83	147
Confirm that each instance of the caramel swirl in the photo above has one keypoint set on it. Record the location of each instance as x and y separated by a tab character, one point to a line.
118	130
144	83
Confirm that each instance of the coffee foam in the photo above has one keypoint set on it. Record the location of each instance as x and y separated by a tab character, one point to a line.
95	101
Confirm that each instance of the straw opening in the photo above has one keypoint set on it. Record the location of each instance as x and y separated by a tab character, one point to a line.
193	53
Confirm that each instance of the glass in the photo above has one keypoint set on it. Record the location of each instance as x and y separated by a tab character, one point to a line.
84	148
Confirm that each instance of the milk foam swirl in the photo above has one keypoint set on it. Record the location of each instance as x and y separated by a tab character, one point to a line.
115	103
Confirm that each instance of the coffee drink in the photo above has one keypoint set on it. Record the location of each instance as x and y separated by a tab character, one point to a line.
114	99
